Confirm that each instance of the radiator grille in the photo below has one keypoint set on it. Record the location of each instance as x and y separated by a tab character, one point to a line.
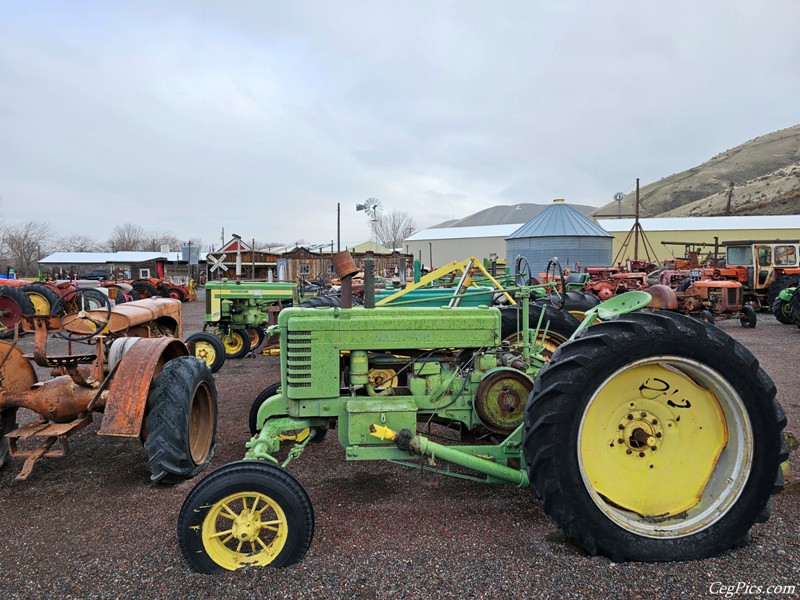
298	359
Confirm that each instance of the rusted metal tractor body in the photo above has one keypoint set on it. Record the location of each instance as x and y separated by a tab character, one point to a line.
604	286
131	349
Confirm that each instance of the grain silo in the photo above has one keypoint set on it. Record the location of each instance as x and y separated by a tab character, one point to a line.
560	231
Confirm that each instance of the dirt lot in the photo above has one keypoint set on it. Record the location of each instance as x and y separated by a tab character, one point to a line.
92	525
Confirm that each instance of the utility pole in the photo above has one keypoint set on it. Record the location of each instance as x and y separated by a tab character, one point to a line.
338	227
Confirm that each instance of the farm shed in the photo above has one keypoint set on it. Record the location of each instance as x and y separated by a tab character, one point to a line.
560	231
695	231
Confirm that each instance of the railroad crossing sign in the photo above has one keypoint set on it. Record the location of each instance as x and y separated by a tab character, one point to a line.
216	263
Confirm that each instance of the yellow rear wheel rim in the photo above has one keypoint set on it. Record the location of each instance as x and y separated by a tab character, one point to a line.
665	446
245	528
41	306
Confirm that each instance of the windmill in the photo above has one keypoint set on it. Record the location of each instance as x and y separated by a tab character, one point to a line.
372	208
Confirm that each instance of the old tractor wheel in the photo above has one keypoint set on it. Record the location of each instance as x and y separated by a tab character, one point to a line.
208	348
576	303
246	513
794	307
654	437
177	293
144	289
706	316
560	325
781	283
13	304
780	309
268	391
748	318
236	342
257	336
181	420
8	423
42	298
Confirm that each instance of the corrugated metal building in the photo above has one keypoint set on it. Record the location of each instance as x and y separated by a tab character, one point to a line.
696	231
440	245
560	231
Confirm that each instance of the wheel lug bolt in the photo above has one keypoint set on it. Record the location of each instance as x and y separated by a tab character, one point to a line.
620	441
641	454
655	422
644	414
658	435
621	426
628	451
653	448
630	417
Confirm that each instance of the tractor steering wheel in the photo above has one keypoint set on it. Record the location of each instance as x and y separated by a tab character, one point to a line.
557	298
76	305
522	270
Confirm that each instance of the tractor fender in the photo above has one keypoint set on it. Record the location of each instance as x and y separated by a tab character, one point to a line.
130	387
663	297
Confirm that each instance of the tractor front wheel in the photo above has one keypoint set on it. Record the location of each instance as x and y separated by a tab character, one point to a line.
181	420
560	325
748	319
236	342
246	513
208	348
654	437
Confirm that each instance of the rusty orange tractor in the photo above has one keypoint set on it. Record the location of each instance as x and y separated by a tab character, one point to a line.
137	374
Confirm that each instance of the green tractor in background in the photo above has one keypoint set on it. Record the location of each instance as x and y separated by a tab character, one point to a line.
647	436
238	311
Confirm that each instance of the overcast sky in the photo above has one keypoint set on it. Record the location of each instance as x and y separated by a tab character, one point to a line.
260	116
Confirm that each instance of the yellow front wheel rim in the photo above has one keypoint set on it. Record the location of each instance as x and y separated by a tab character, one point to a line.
245	528
205	352
233	343
665	446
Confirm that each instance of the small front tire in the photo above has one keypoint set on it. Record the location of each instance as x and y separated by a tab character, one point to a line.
208	348
246	513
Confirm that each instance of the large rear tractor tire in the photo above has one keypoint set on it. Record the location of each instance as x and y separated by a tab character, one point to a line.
654	437
181	420
42	298
8	423
246	513
208	348
780	284
13	304
794	307
780	309
560	325
143	289
236	342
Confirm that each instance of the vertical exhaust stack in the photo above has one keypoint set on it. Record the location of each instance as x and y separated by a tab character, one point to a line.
369	281
345	268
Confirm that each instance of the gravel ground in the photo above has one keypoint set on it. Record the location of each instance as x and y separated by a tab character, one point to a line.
92	525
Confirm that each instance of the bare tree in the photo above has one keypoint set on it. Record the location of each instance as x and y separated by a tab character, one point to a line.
76	243
153	240
127	237
394	227
25	243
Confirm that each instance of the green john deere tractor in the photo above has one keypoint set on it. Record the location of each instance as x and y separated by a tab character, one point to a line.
786	306
648	436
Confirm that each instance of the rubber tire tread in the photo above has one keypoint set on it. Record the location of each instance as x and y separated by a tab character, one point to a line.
178	292
268	391
219	348
167	420
780	284
42	290
794	307
246	476
749	319
24	303
562	390
8	423
782	311
145	290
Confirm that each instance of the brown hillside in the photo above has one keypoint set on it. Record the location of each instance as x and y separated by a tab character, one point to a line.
765	173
